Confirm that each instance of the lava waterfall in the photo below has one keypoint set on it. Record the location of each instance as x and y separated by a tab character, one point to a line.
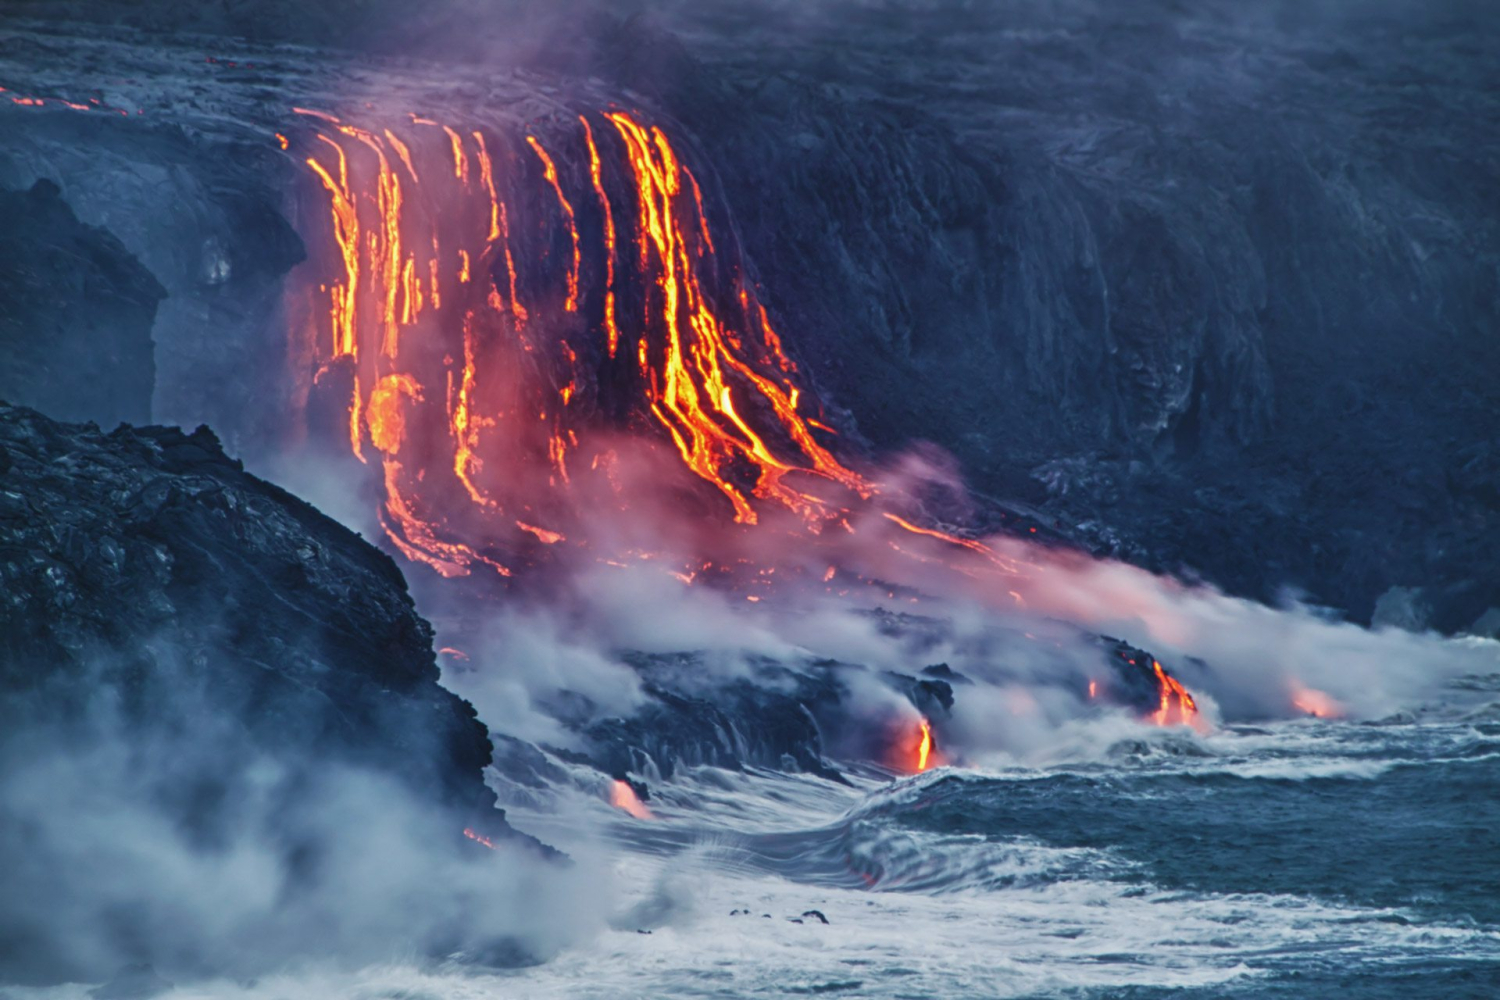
504	321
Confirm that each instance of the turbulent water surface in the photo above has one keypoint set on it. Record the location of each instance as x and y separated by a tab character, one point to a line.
1298	859
1301	859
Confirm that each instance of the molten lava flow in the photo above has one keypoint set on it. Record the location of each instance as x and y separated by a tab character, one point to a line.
914	749
499	425
611	326
692	387
460	161
479	838
1315	703
386	412
1177	707
420	217
623	797
550	171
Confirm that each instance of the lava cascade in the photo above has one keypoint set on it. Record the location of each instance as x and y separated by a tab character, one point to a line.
506	327
464	365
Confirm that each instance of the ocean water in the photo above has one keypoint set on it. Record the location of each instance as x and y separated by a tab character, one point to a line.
1294	860
1301	859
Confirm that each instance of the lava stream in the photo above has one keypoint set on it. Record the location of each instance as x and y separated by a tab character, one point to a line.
537	340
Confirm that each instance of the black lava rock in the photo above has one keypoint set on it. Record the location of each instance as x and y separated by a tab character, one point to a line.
76	310
233	654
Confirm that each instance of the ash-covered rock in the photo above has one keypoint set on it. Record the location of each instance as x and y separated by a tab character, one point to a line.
76	310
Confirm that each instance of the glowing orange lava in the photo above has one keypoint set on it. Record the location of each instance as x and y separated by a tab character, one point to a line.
479	838
1177	706
623	797
710	371
550	171
1316	703
385	413
914	749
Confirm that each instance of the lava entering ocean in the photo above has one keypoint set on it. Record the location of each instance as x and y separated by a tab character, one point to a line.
537	341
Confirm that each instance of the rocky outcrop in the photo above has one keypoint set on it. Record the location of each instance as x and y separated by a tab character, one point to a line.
203	213
812	716
150	551
224	648
76	311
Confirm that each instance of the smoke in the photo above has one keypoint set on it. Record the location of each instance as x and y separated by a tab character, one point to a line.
1017	618
1256	660
164	834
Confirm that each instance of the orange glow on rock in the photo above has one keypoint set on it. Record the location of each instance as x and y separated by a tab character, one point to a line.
924	746
611	326
1316	703
385	413
549	169
460	161
542	534
691	389
479	838
499	411
914	748
623	797
1177	707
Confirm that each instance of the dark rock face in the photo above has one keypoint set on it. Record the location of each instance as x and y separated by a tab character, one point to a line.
147	544
221	644
1216	285
76	311
207	222
769	721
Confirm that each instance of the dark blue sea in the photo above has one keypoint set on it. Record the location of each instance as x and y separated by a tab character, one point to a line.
1304	859
1296	860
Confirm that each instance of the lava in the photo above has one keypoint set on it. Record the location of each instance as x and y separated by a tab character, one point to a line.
1177	706
611	326
623	797
550	171
386	414
914	749
710	371
1316	703
498	424
479	838
924	745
